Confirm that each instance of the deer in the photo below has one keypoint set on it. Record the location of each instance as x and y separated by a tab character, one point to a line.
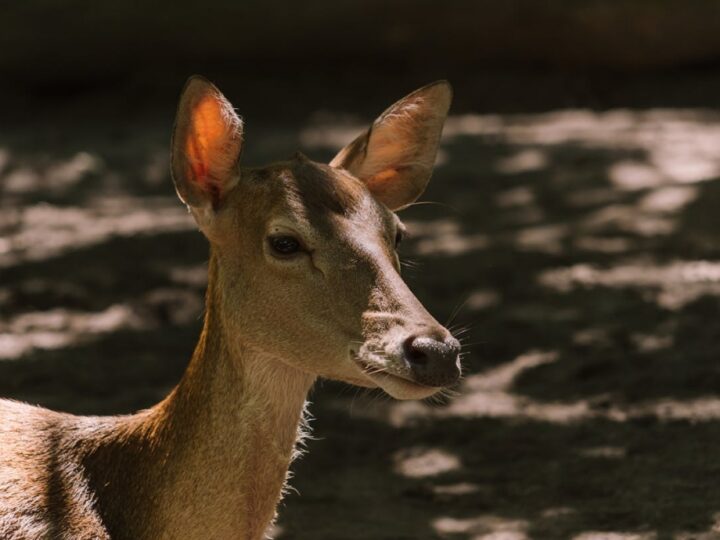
304	283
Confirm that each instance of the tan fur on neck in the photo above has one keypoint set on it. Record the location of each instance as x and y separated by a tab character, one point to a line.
212	456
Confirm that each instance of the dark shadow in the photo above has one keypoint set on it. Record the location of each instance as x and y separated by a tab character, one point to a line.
548	481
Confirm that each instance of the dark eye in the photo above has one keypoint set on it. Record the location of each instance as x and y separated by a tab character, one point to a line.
398	237
284	245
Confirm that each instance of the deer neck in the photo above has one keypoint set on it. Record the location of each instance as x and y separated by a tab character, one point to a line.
218	448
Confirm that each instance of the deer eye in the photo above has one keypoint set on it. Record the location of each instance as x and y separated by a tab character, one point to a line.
284	245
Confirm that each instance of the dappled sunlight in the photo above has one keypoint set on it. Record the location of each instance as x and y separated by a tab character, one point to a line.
652	215
649	343
671	285
633	175
628	218
486	527
523	161
59	175
502	378
482	299
541	238
195	276
41	231
670	199
604	452
520	206
607	535
455	490
444	237
678	141
60	328
592	336
564	244
645	342
424	462
520	196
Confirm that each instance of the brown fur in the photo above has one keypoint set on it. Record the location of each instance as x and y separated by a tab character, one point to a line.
211	459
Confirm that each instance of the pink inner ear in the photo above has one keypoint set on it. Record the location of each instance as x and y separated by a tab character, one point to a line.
387	187
198	169
206	144
382	180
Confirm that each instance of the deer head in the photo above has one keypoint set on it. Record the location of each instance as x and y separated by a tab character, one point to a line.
305	252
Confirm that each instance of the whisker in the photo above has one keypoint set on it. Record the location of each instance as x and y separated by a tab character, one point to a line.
456	311
443	397
460	331
377	394
410	263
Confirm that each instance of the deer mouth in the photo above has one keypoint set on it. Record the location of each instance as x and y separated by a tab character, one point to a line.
396	385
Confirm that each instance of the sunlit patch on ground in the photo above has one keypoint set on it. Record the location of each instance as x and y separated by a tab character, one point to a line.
55	177
42	231
422	462
605	535
678	144
483	528
444	237
59	328
523	161
671	285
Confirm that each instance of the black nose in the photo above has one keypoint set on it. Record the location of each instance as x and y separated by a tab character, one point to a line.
432	362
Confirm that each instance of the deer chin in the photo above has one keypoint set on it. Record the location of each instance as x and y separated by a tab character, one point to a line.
396	386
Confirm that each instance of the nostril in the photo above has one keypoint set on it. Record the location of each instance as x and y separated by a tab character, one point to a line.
414	354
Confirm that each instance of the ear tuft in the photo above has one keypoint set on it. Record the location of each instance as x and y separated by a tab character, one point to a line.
395	157
206	144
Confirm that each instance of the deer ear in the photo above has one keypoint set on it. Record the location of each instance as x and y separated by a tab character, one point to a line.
395	156
206	145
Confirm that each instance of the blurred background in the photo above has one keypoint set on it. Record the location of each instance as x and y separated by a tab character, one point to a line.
575	242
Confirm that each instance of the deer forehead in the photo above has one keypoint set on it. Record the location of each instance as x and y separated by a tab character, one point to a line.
321	203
